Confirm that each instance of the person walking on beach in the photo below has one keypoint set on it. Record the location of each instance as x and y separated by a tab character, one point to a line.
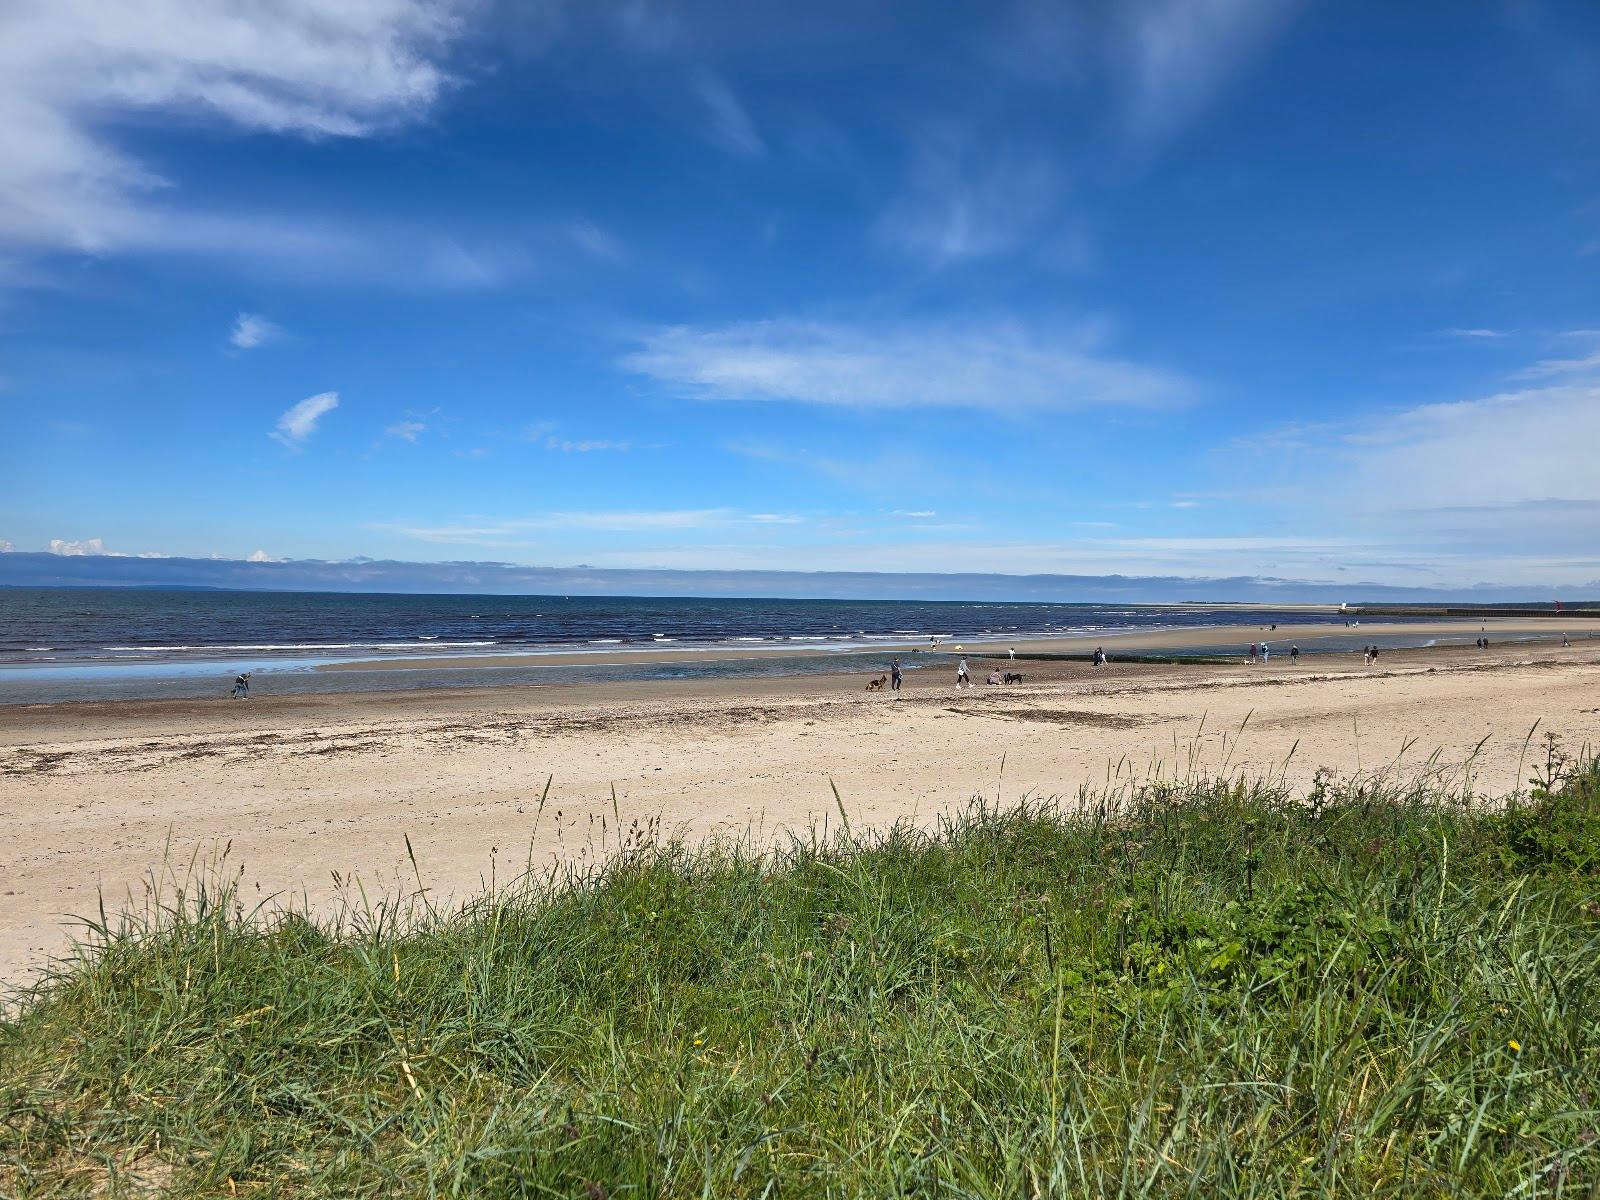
241	686
1366	656
1013	653
962	678
894	676
1099	657
1253	652
1294	655
1266	652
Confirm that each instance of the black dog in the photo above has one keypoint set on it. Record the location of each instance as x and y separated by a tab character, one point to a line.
1013	677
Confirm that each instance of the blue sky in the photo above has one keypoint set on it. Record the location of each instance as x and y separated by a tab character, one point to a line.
1176	287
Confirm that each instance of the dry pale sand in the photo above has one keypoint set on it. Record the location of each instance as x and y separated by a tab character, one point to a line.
310	788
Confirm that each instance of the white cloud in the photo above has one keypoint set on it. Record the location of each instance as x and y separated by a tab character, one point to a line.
77	549
1476	334
300	422
260	556
251	330
915	514
1549	367
729	125
1501	488
407	430
71	69
6	547
1527	447
998	367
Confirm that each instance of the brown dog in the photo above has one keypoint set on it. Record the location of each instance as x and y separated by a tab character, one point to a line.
878	684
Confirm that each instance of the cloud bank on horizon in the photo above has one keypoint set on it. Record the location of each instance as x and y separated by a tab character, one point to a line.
1226	289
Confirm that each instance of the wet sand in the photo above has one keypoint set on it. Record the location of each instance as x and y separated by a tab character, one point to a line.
1131	641
309	789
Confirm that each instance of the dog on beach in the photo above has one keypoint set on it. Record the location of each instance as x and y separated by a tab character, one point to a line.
878	684
1013	676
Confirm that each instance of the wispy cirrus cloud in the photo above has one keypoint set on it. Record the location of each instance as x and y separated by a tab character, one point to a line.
251	330
1170	58
975	191
1549	367
1477	335
1163	61
407	430
997	367
517	531
300	421
334	252
586	445
728	123
545	433
596	242
966	200
70	68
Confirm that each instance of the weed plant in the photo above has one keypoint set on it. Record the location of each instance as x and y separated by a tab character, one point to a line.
1213	988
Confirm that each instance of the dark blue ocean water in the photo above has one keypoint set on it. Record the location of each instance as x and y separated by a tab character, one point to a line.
40	625
75	643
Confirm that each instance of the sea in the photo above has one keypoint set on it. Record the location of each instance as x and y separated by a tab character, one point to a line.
104	643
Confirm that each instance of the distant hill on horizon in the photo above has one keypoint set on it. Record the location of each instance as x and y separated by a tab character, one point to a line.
29	569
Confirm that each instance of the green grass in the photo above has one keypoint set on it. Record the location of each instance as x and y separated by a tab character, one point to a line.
1218	988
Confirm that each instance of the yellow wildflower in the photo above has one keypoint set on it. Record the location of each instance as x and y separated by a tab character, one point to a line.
1515	1045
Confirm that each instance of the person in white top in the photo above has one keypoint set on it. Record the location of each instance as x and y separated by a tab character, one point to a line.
962	678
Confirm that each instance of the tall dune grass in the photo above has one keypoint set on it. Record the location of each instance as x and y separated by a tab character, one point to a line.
1215	988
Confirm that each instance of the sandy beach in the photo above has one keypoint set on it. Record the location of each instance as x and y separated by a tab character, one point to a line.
304	791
